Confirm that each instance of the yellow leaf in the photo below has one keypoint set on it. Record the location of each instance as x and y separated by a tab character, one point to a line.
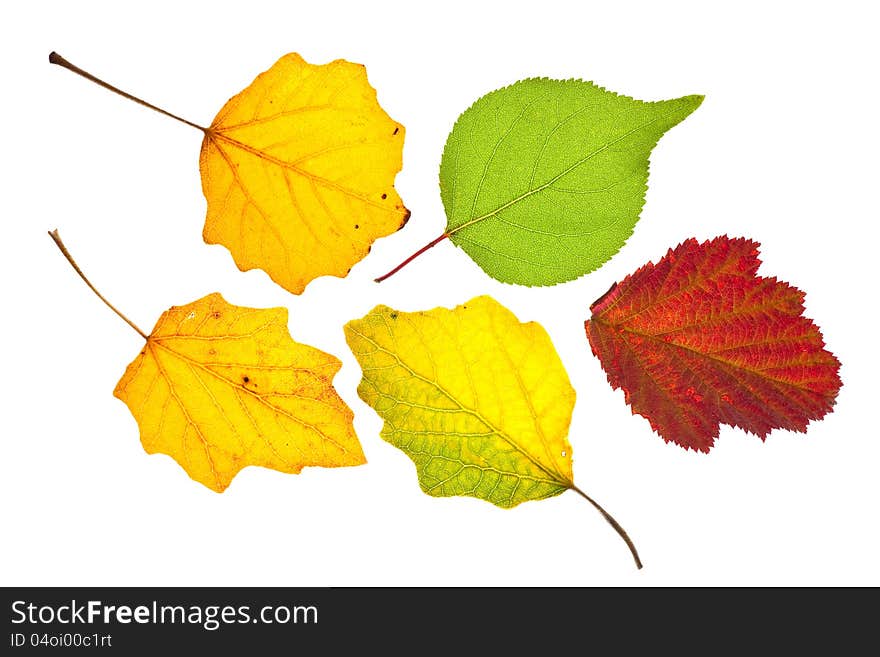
298	171
478	400
220	387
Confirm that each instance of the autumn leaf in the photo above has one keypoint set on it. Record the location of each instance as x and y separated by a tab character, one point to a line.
544	180
219	387
699	340
298	170
478	400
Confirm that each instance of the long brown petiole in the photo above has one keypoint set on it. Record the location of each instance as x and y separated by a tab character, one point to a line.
415	255
611	521
55	58
57	239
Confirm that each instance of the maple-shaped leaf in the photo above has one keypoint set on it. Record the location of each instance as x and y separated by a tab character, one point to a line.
298	170
544	180
477	399
699	340
219	387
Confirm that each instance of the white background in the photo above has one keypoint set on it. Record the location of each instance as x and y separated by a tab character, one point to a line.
783	150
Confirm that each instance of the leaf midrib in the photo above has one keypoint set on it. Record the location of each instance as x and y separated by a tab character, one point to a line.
550	182
259	398
215	136
711	356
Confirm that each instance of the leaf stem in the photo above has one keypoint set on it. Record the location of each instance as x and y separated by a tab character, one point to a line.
55	58
415	255
57	239
611	521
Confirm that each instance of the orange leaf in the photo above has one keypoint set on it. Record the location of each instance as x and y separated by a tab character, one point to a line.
298	171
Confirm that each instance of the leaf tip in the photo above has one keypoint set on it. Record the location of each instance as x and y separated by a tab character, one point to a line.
684	106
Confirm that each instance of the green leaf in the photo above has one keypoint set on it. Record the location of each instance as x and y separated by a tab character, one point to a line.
544	180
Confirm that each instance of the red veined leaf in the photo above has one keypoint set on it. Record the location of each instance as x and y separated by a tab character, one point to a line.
699	340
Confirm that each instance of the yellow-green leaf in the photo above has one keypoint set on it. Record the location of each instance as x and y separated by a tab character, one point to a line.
478	400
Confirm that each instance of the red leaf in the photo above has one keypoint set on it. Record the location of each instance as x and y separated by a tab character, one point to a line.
699	339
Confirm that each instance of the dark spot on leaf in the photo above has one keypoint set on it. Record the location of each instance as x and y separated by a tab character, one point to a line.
384	196
216	314
356	226
245	378
396	130
393	315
